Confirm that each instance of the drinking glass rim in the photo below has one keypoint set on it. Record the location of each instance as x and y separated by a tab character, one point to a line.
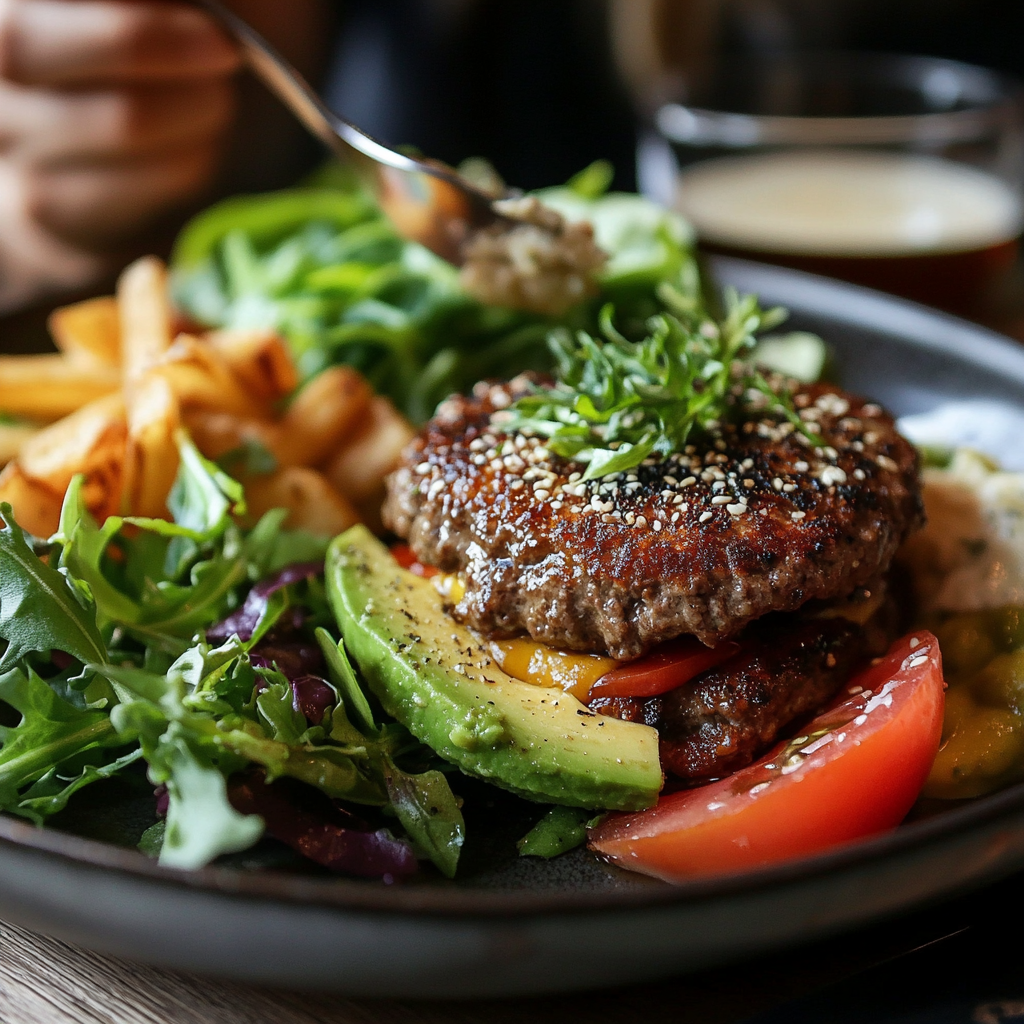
996	96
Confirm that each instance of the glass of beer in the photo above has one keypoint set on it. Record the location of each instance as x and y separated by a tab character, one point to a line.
900	173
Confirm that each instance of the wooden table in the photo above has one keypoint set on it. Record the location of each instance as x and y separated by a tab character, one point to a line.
45	981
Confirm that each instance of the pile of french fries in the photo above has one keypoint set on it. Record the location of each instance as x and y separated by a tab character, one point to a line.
110	402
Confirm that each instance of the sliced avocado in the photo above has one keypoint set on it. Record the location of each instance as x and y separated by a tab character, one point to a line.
437	679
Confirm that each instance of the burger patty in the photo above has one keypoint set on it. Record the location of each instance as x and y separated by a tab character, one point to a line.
728	716
752	519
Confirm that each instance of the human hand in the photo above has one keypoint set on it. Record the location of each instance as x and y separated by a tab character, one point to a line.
111	115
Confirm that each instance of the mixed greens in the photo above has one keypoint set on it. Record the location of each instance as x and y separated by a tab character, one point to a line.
323	266
146	639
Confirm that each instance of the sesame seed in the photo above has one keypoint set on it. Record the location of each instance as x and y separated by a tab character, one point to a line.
859	474
542	495
656	526
747	463
423	468
914	642
921	659
748	482
516	485
777	484
797	515
688	482
736	510
705	516
721	499
641	521
675	517
832	475
630	518
556	505
886	463
801	467
788	488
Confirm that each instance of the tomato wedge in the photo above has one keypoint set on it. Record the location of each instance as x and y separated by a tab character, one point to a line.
403	555
670	665
854	771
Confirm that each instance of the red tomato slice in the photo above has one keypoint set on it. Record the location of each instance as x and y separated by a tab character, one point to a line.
403	555
854	771
669	665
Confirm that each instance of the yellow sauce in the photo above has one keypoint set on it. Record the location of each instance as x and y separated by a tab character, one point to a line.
532	662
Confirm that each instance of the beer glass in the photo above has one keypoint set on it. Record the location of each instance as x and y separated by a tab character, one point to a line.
901	173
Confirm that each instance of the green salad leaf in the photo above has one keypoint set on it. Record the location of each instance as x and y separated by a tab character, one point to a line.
325	269
41	609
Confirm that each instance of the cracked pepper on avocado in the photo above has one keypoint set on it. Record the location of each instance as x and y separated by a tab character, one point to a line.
634	569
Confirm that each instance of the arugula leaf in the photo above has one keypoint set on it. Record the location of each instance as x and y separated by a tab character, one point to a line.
40	609
51	732
430	813
53	790
83	544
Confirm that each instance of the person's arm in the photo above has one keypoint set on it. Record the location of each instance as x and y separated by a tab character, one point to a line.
113	115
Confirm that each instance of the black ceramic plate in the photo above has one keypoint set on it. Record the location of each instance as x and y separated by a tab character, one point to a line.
526	926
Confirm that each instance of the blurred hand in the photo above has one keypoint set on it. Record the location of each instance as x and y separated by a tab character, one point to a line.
111	114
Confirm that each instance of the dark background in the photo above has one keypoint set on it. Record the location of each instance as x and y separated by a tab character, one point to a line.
535	86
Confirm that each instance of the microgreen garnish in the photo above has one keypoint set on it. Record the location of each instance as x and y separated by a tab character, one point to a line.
616	402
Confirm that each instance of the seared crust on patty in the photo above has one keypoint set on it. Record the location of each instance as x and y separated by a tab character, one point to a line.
750	520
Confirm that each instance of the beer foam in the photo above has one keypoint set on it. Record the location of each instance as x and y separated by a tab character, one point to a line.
835	203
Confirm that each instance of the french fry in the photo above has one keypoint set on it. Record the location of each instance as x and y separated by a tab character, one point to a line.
36	506
90	441
358	470
145	314
48	387
201	377
89	332
216	434
312	503
260	360
151	459
12	437
328	409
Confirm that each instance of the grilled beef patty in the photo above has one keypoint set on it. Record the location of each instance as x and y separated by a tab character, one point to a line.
726	718
751	520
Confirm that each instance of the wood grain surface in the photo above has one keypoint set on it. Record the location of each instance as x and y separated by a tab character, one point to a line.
45	981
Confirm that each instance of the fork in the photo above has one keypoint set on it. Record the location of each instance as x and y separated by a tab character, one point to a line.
426	200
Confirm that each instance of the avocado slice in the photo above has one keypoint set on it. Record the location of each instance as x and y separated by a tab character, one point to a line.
436	677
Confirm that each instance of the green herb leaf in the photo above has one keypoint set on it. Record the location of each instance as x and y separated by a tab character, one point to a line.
343	676
616	402
51	732
430	813
40	609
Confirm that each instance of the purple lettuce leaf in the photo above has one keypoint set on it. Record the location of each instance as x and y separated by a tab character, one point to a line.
319	830
244	620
